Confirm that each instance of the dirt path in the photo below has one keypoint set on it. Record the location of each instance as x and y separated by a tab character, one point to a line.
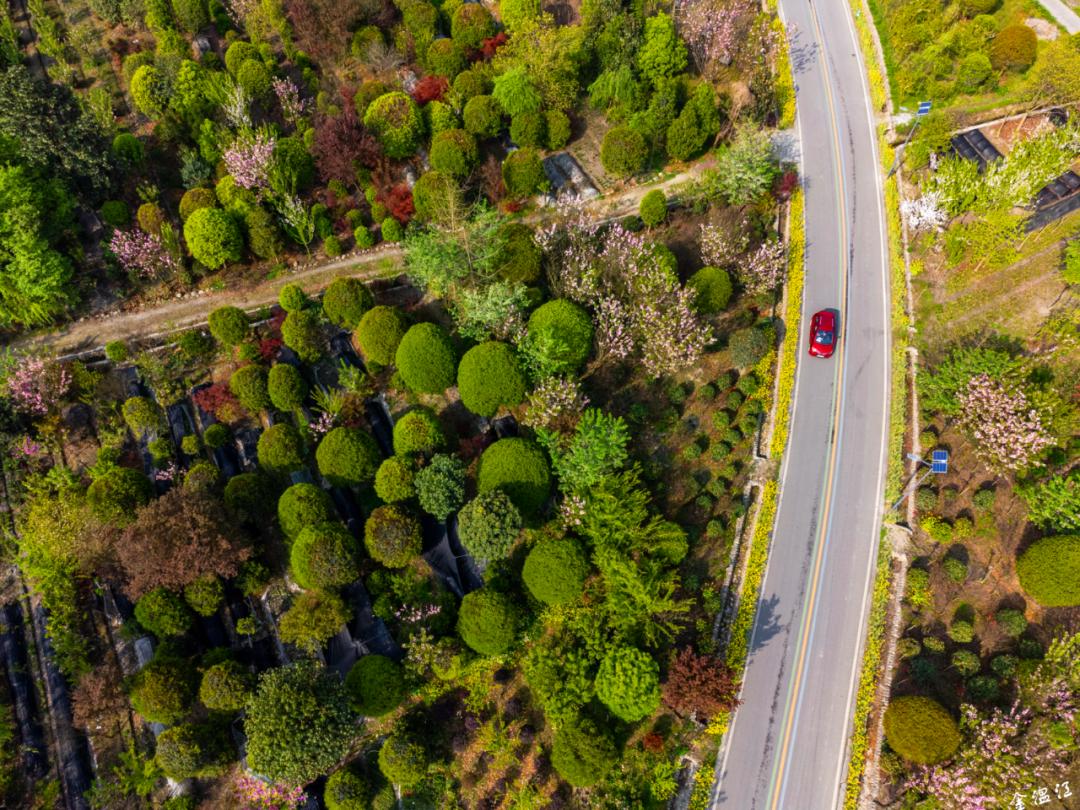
88	335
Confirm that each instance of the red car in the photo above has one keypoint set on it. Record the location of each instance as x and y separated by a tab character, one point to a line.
823	334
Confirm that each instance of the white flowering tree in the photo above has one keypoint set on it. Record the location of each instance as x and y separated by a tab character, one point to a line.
1008	433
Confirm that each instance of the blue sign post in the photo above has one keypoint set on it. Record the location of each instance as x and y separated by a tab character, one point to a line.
924	108
939	462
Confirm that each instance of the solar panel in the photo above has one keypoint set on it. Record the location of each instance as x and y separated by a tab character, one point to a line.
939	462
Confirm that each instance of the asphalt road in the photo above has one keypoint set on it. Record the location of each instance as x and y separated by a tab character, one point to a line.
787	747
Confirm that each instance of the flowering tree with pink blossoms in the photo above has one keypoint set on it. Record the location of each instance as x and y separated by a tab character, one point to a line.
289	99
255	794
35	386
722	247
556	403
142	254
249	161
1008	432
1010	751
714	29
638	304
764	269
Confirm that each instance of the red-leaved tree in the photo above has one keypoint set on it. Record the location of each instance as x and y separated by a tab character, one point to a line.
341	144
430	88
700	685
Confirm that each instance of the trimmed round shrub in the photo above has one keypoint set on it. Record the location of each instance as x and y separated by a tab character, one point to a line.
225	687
515	13
254	78
1014	48
149	91
490	377
238	53
653	208
312	619
249	496
363	39
489	526
402	760
280	449
348	789
1005	666
116	351
302	333
488	621
346	300
364	237
142	416
471	24
190	750
298	723
264	237
966	663
567	329
115	213
418	431
747	346
368	92
396	122
376	685
195	199
391	230
623	151
292	298
205	594
150	218
921	730
454	153
347	457
973	8
628	683
213	237
379	333
248	385
471	83
1049	571
519	468
229	325
523	172
962	632
162	691
984	689
303	505
163	613
519	257
440	486
558	129
445	58
426	359
286	387
324	556
555	571
528	129
216	435
128	148
712	289
395	480
431	195
392	536
974	70
482	116
582	753
116	495
1011	621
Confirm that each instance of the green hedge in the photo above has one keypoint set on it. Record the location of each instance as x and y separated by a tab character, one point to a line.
303	505
566	329
418	431
376	685
324	556
392	536
346	301
379	333
347	457
488	621
555	570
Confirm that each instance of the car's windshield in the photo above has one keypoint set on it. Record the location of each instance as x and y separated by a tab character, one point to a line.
824	337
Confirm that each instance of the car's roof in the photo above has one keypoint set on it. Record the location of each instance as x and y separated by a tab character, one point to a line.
824	319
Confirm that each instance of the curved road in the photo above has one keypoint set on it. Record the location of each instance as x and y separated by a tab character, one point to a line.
787	746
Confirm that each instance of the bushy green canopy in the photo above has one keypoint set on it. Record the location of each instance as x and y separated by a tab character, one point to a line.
921	730
487	621
324	556
490	377
519	468
1049	571
348	456
426	359
376	685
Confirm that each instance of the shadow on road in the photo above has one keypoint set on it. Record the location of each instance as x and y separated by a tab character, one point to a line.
767	625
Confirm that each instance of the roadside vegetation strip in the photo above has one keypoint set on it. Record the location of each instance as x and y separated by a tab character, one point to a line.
796	277
785	80
758	556
868	678
879	92
900	323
